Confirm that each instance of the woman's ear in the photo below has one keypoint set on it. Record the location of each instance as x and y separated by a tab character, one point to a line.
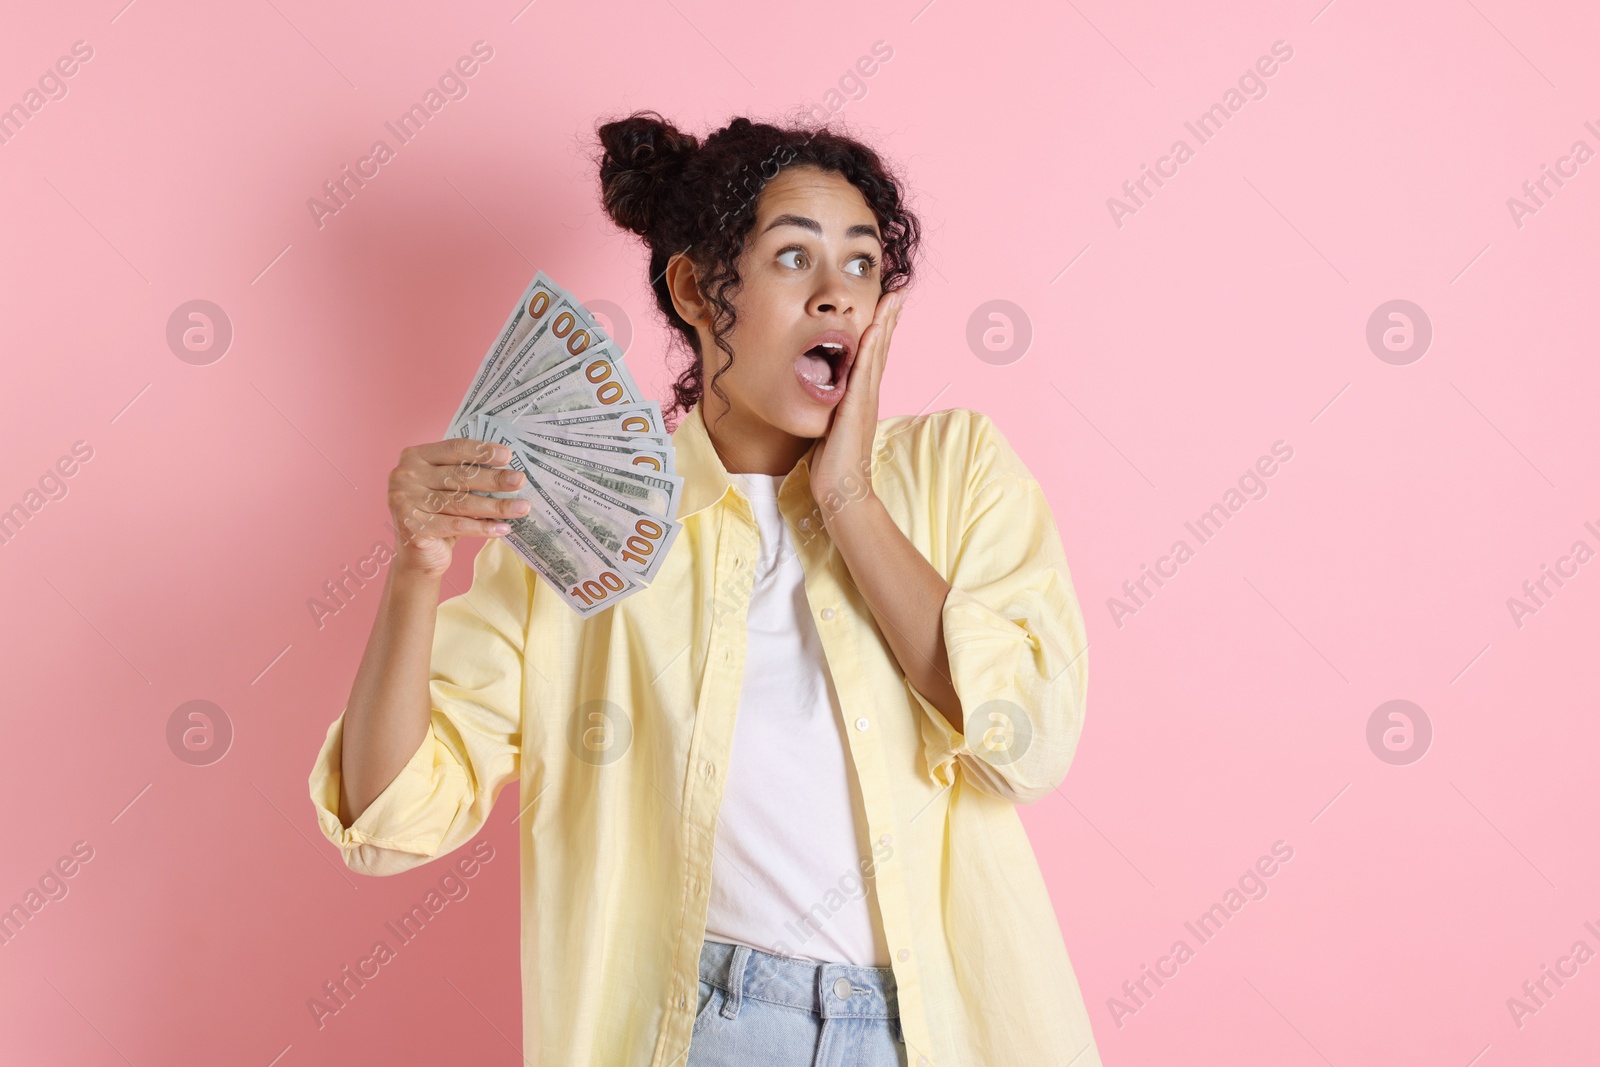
684	285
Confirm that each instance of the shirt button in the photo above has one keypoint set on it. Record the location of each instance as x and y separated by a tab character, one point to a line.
827	614
805	524
885	839
681	1002
905	954
841	988
861	723
922	1061
709	768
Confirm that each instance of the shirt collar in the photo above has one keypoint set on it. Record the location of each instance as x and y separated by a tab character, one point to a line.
705	479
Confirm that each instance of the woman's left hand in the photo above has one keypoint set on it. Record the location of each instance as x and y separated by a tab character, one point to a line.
841	466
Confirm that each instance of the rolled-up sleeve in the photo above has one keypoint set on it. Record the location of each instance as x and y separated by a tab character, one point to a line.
1013	632
444	793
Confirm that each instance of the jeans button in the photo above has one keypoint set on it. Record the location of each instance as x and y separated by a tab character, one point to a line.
841	988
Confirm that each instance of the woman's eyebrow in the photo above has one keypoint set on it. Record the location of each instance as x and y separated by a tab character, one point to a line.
860	229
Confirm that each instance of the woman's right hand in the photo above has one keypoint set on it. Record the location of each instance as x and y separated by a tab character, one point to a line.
432	503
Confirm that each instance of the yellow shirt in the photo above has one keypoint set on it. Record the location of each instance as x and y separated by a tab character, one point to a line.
617	730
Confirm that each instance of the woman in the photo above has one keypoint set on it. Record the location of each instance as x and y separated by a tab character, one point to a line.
753	830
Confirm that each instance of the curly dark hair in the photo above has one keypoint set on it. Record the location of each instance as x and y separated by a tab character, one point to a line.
683	195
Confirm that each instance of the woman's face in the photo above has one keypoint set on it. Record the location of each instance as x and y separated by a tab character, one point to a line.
810	273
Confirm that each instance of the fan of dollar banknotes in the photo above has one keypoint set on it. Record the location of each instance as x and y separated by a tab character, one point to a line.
600	478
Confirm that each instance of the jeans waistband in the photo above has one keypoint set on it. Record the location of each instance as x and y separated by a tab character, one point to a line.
827	989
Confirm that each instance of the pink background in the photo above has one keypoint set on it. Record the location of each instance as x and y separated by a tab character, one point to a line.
1229	312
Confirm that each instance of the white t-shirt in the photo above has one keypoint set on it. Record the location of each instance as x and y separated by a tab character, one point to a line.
791	870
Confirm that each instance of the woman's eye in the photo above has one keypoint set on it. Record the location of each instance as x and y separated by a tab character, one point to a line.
863	264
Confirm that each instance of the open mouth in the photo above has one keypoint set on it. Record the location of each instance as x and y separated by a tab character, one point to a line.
825	365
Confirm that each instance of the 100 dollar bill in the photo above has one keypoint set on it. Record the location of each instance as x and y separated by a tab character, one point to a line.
535	303
595	379
636	539
655	493
560	549
564	331
621	450
642	418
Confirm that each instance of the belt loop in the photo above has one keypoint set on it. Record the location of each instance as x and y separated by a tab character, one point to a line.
730	1005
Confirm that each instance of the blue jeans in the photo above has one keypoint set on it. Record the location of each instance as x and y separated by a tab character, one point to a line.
758	1008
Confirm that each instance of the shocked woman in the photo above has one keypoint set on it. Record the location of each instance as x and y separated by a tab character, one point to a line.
767	804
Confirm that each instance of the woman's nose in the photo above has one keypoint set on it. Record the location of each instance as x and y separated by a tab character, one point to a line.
834	297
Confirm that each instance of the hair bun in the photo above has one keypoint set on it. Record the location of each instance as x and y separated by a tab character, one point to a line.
645	155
